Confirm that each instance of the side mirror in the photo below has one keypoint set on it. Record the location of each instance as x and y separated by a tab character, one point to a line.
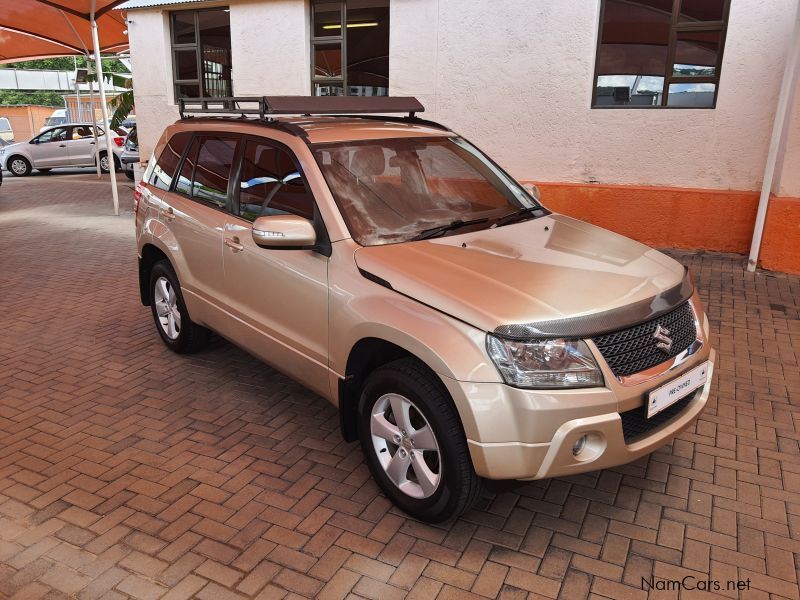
533	190
284	231
34	141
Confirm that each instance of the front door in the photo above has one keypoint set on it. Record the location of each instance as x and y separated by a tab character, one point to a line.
50	148
279	296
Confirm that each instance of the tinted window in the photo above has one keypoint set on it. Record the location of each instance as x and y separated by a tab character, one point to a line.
271	184
647	58
164	169
213	168
183	183
363	38
201	51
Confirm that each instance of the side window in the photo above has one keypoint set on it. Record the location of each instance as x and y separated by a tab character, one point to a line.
167	162
183	184
271	184
212	170
54	135
82	131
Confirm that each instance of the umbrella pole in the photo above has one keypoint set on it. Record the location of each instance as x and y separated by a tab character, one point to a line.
104	108
94	123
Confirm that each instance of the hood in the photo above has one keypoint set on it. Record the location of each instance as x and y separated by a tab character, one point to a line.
546	269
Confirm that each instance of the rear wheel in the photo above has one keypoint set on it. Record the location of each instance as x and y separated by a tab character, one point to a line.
172	320
414	443
104	166
129	175
19	166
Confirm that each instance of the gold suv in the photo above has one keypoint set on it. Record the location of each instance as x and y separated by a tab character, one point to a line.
463	330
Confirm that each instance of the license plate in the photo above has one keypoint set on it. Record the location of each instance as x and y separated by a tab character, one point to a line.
680	387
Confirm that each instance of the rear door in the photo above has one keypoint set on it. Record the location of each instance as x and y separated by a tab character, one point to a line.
50	148
81	145
278	296
195	210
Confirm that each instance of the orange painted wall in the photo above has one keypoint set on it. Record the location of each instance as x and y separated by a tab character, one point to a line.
696	219
26	119
780	248
663	217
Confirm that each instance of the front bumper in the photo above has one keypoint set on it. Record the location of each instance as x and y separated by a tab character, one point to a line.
529	434
606	446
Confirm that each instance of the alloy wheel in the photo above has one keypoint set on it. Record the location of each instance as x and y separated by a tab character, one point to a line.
18	166
169	316
104	162
405	446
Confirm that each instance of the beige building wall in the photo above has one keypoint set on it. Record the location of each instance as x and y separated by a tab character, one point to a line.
515	77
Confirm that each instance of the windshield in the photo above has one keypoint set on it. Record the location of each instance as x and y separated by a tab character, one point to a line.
391	190
54	121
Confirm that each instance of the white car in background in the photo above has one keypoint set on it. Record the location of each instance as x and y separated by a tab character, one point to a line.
68	145
6	132
59	117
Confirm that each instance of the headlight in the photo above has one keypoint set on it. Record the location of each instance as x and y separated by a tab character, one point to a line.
544	363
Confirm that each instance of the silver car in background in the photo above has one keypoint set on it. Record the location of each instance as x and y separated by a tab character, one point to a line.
68	145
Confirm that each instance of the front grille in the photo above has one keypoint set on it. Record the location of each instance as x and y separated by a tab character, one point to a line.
632	350
635	423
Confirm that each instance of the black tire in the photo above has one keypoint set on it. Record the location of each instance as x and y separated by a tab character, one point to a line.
459	486
129	175
24	162
191	337
117	165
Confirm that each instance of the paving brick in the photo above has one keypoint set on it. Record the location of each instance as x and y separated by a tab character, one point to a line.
129	471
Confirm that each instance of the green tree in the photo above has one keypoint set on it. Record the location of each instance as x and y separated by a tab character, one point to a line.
65	63
42	98
123	103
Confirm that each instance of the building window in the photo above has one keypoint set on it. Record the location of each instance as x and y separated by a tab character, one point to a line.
201	53
659	53
352	60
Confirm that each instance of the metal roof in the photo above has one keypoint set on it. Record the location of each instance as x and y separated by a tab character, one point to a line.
134	4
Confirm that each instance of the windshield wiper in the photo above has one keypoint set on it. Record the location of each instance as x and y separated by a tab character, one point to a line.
519	215
440	229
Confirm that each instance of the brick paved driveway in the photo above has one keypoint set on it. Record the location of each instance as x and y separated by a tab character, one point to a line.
126	470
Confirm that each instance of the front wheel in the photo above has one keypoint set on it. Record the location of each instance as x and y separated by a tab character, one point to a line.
19	166
414	443
178	331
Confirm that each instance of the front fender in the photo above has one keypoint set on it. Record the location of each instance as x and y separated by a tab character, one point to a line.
449	347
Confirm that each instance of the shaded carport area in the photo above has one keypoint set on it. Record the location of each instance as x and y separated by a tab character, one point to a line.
129	471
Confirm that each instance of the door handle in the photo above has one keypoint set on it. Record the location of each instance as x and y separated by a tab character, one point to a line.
233	244
169	214
92	143
62	145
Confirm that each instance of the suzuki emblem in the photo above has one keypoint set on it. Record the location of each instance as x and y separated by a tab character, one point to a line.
664	341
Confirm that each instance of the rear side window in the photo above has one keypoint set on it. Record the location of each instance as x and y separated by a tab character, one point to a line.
272	184
206	170
164	169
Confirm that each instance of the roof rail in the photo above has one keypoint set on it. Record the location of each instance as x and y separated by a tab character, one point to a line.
300	105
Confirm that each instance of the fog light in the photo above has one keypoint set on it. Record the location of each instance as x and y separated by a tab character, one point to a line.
579	446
